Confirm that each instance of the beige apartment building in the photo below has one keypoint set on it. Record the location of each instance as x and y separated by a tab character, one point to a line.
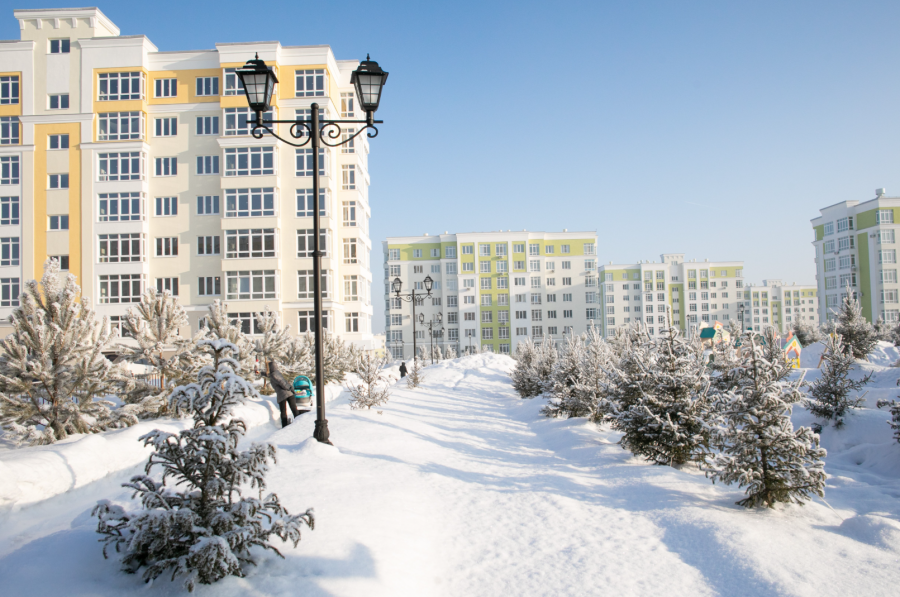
136	167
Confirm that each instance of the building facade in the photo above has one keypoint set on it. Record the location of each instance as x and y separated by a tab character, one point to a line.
856	247
775	304
136	167
492	289
691	293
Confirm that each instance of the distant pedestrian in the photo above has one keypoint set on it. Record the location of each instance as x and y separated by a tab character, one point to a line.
403	370
284	392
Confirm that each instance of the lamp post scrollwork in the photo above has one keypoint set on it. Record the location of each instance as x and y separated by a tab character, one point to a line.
412	297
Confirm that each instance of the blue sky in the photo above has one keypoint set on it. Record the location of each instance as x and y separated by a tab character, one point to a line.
716	129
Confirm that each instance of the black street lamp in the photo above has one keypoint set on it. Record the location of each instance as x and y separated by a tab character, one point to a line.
431	331
397	286
259	85
741	315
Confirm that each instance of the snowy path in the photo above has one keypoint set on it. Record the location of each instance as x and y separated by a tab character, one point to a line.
459	488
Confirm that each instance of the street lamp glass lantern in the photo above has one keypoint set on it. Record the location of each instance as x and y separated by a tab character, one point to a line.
428	284
440	317
421	318
368	80
396	285
259	84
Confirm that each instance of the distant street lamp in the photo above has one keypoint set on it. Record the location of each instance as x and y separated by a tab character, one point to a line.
431	331
397	286
259	83
741	315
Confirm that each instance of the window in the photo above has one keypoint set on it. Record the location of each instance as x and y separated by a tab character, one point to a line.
233	85
9	90
59	181
120	207
166	167
590	249
351	288
534	265
537	331
590	264
590	281
484	267
349	213
119	166
9	211
348	177
485	284
519	248
502	267
207	86
63	261
883	216
305	285
9	250
394	255
120	126
348	141
208	164
352	322
165	127
246	285
167	206
350	250
305	242
535	282
847	242
567	281
249	203
417	254
59	101
120	86
249	243
59	141
209	286
208	245
246	161
468	249
167	246
484	250
237	120
450	253
9	130
310	83
305	162
165	88
887	296
207	125
167	284
829	263
885	237
308	324
120	288
487	316
305	203
885	256
60	46
534	249
347	101
468	267
59	222
888	276
208	205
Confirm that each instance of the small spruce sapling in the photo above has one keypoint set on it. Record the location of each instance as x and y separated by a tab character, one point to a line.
759	447
415	377
375	388
564	399
450	353
859	336
208	529
807	333
830	394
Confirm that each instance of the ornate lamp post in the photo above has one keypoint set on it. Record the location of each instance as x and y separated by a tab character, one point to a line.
741	314
397	286
431	331
259	84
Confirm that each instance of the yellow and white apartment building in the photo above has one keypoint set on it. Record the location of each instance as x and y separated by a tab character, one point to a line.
136	167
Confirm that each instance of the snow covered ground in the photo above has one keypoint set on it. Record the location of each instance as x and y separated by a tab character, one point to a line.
461	488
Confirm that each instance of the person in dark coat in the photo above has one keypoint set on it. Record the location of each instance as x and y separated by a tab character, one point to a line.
403	370
284	392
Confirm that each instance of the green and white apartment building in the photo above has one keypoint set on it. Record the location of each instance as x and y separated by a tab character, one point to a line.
856	246
136	167
493	289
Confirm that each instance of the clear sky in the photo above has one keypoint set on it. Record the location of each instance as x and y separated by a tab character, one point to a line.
716	129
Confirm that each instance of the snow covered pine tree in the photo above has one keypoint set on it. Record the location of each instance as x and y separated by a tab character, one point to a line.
207	530
759	447
859	335
807	333
415	378
370	392
525	380
830	394
52	366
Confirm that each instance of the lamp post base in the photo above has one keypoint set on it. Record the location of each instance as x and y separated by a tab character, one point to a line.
321	432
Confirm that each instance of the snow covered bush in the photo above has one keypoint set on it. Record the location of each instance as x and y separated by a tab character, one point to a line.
830	394
154	324
52	367
272	343
375	387
858	335
415	378
759	447
219	325
669	421
450	353
894	407
883	331
807	332
566	379
207	529
524	376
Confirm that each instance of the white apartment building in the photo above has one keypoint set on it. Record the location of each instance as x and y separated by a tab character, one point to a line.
775	304
492	289
692	293
856	246
136	167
